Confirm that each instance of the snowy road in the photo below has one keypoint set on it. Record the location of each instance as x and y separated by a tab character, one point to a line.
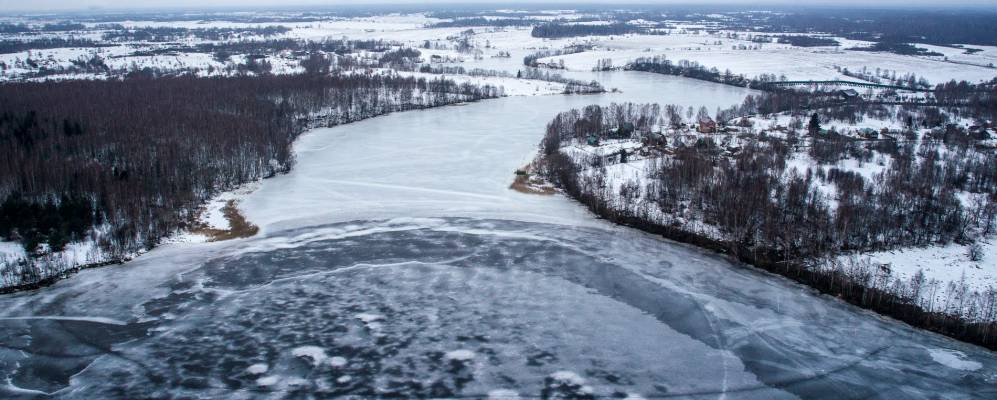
394	261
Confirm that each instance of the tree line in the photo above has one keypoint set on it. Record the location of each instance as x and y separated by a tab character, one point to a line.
572	86
170	34
691	69
530	60
17	46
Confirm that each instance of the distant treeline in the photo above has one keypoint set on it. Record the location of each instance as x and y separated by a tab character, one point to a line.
55	27
338	46
169	34
892	26
482	21
807	41
905	49
132	160
17	46
562	30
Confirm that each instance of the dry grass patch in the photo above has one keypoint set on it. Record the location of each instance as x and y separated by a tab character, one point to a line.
239	227
529	183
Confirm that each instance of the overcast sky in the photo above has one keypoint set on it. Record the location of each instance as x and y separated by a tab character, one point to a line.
52	5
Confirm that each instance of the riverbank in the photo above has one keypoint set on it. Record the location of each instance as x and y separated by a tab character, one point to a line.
830	279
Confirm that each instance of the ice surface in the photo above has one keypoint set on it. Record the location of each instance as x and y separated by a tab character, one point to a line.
503	394
541	307
460	355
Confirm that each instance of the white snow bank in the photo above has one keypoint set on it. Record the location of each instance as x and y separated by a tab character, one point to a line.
268	380
337	361
503	394
567	377
257	369
460	355
948	264
315	353
954	359
368	318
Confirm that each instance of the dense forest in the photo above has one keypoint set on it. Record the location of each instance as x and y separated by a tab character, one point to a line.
898	26
807	41
562	30
742	199
126	162
901	48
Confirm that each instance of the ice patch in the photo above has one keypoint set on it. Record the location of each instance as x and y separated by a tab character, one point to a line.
567	377
315	353
97	320
503	394
569	384
257	369
954	359
460	355
268	380
297	382
344	379
337	361
368	318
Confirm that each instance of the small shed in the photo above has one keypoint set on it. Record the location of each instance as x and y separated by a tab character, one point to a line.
869	133
707	125
848	94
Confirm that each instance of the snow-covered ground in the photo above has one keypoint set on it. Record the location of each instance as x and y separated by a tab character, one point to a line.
949	266
11	250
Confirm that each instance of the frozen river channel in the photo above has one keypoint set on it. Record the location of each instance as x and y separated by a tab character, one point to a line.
393	261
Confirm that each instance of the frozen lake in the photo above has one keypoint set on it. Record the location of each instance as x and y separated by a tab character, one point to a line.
394	261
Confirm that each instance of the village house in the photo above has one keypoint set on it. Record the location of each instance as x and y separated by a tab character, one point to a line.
707	125
848	94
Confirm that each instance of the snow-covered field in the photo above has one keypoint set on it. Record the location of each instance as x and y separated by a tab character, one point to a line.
796	63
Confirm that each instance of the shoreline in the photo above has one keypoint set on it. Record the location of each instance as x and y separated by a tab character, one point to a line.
246	228
832	282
